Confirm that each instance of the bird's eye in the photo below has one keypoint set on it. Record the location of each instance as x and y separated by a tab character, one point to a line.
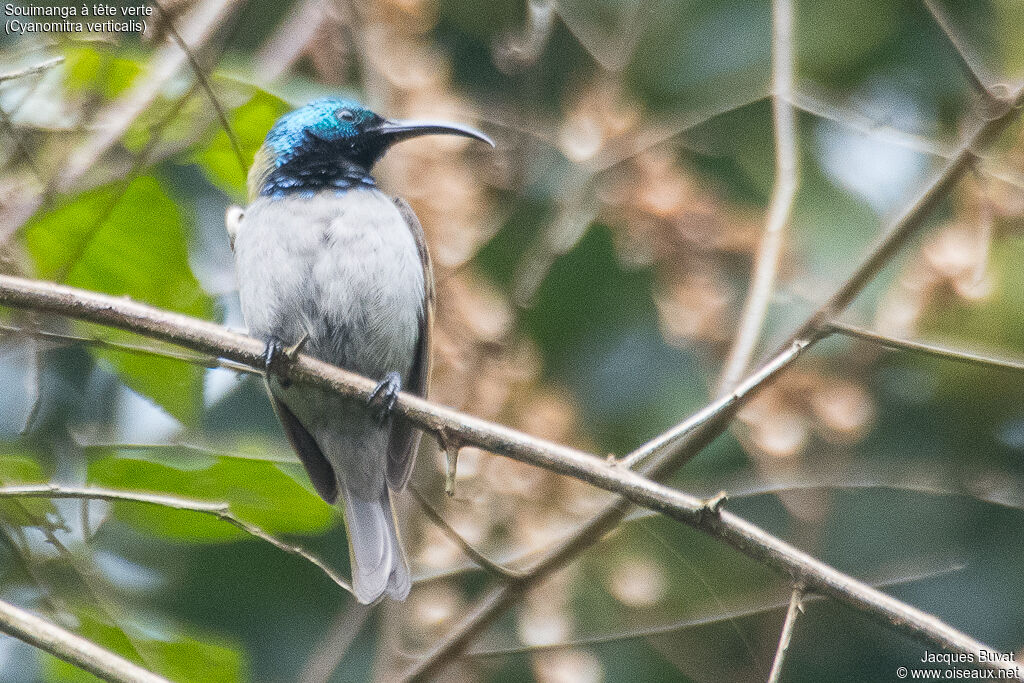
346	115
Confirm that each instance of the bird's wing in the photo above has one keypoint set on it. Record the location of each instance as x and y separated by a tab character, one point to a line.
405	439
317	466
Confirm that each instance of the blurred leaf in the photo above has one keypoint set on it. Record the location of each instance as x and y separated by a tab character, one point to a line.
250	124
258	492
19	469
178	657
838	38
128	244
88	69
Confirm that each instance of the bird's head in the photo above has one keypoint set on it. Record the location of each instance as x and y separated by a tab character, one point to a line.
333	142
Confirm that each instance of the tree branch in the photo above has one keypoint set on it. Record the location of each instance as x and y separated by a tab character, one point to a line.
957	355
206	337
71	647
674	448
221	511
786	636
766	266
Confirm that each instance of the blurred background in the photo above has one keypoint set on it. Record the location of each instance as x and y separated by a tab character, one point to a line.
591	274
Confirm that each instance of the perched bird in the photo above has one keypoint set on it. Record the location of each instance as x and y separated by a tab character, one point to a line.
327	262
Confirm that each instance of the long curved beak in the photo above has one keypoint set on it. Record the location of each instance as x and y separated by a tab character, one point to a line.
396	131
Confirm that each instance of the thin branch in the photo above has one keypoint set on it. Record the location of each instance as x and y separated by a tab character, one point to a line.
673	449
221	511
125	347
207	337
714	410
957	355
766	266
42	66
795	607
71	647
967	61
201	26
472	553
698	621
204	82
286	46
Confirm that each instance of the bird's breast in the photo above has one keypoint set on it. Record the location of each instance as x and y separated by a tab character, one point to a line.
343	268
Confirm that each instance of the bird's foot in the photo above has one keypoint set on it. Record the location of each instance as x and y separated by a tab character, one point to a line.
383	398
278	359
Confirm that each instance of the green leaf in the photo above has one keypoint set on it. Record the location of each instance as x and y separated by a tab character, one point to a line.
179	657
258	492
128	243
250	124
88	69
19	469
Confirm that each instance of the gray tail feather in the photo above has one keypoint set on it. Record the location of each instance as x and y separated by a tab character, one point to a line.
378	561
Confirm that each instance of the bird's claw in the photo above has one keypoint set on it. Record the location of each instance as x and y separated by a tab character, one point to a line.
383	398
278	358
277	361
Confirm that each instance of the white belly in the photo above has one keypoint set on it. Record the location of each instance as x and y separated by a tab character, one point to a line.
344	268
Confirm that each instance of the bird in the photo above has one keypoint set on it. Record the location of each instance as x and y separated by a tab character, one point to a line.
329	264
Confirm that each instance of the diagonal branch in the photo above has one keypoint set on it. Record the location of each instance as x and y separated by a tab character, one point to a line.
71	647
485	563
207	337
958	355
966	60
669	451
780	208
221	511
786	636
200	27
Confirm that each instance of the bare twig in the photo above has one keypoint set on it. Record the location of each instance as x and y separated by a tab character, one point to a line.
966	60
42	66
486	563
68	338
957	355
206	337
201	26
697	621
71	648
205	84
670	451
219	510
287	44
795	607
762	282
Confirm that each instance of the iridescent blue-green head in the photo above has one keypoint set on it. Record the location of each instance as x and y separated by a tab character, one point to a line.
333	143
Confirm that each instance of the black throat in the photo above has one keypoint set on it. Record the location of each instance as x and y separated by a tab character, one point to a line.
310	173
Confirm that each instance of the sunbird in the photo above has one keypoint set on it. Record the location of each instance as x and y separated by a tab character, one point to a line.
328	263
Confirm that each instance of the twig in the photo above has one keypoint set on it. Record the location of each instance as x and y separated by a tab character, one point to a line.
673	449
71	647
472	553
795	607
205	84
691	622
957	355
125	347
206	337
766	266
285	47
219	510
965	59
44	65
201	26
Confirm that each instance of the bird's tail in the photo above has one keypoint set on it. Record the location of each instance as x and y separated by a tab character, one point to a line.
375	551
